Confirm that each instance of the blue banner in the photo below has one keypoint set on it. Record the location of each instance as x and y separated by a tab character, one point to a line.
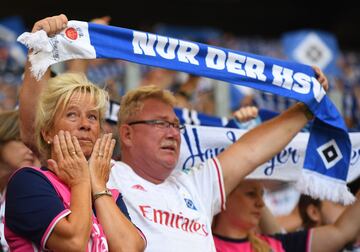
313	47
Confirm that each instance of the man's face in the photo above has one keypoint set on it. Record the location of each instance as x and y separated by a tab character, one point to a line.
158	147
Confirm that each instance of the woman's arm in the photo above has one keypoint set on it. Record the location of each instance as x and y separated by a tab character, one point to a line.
31	88
120	233
72	233
345	230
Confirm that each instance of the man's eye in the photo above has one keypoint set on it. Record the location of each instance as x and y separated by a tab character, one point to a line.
162	123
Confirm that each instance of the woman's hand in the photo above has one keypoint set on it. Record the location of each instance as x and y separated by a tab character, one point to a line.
69	162
51	25
100	162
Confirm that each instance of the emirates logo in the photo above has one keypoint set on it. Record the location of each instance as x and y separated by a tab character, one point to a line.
71	33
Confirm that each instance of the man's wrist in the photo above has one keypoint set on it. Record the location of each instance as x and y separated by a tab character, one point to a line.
308	114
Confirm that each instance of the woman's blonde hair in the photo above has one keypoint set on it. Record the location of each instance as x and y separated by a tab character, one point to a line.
56	96
257	244
132	103
9	126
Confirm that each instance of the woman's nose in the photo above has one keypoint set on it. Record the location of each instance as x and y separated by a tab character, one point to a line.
84	123
260	202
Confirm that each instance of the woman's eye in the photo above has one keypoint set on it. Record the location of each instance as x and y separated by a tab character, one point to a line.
251	194
93	117
71	114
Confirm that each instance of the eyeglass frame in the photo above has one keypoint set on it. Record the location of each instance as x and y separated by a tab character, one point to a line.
162	124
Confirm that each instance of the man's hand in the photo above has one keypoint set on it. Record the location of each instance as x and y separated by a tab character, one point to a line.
320	76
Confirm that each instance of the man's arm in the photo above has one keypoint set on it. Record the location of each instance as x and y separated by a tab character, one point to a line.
260	144
263	142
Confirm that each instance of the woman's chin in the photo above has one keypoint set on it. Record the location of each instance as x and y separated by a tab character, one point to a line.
87	152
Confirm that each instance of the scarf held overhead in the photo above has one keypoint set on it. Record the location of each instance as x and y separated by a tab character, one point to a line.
328	150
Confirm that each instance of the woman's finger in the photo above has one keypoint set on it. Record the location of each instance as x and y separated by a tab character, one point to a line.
77	147
63	145
57	149
102	150
70	146
53	166
107	149
112	147
95	152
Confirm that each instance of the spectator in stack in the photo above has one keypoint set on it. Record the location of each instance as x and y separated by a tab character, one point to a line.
13	155
235	228
66	205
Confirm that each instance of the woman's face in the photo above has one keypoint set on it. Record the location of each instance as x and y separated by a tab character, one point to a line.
245	203
14	154
81	118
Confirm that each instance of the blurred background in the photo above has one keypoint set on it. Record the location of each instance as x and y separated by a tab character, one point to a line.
328	37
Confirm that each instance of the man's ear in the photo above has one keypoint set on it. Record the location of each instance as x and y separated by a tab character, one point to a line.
126	134
314	213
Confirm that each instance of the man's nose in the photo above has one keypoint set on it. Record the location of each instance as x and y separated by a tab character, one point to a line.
173	131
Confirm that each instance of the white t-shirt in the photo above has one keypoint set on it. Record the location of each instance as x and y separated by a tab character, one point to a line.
175	215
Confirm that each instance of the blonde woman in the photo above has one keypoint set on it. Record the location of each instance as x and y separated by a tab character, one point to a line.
52	208
66	206
235	228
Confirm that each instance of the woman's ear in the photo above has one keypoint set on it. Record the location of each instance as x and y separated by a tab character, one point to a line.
46	136
314	213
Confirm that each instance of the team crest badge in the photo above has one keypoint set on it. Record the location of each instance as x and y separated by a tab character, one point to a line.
71	33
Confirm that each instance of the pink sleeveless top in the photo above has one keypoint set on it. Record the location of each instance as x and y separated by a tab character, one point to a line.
97	241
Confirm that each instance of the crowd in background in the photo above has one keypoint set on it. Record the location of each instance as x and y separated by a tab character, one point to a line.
192	92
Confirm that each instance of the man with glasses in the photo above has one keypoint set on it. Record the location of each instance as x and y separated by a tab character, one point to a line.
175	208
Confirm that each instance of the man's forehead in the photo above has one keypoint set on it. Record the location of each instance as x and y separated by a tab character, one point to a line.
158	106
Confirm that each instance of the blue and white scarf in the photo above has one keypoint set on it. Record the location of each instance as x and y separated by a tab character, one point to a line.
200	143
328	151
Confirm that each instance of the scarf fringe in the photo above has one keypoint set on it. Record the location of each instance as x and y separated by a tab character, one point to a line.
41	52
324	188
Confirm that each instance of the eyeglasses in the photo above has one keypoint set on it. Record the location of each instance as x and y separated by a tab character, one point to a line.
161	124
